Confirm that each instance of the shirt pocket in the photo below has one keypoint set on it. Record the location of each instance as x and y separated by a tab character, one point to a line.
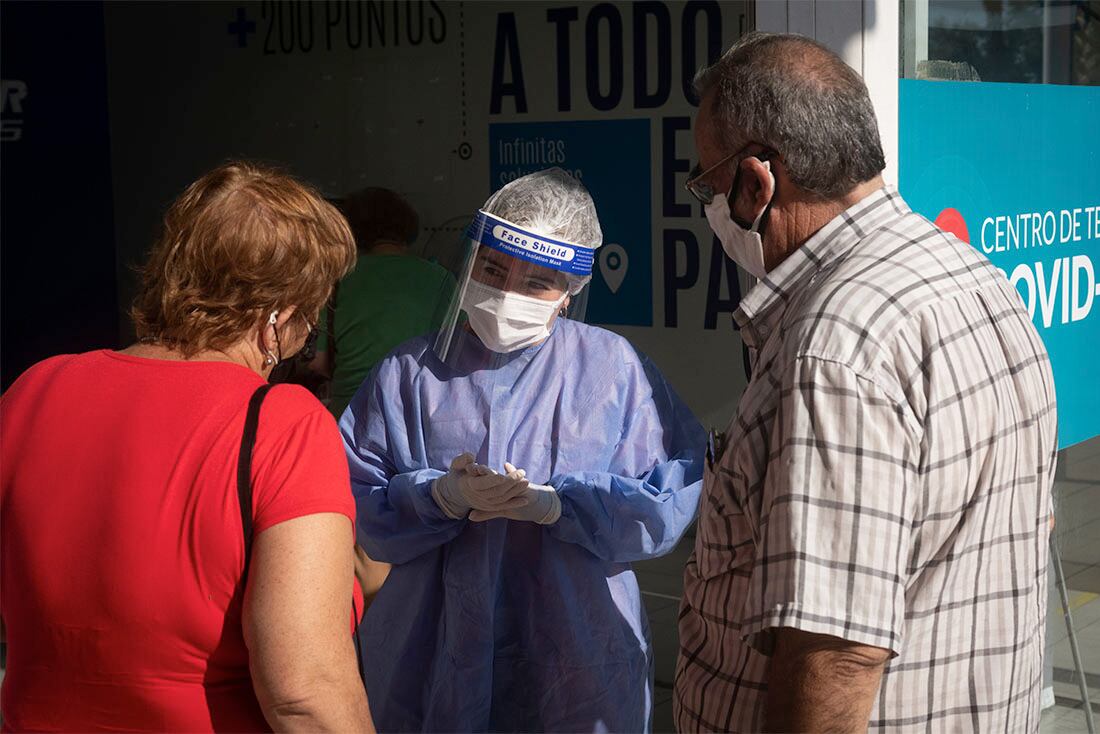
724	541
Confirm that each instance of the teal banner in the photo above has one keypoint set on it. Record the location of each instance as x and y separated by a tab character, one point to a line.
1014	169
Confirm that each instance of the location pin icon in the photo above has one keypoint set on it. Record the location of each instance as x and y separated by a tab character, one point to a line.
613	264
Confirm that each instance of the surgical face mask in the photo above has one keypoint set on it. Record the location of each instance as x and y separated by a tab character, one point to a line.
745	246
507	321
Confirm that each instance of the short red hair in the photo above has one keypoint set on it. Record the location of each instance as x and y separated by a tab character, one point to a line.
240	242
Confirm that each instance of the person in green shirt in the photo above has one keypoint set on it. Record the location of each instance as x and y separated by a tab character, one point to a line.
391	296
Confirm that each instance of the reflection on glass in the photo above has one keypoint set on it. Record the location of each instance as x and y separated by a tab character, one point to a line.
1024	41
1077	536
1033	42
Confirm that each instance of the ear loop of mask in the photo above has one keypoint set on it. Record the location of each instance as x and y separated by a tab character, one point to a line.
763	218
563	311
272	359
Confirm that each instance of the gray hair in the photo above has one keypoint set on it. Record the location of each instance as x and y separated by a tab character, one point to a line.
795	96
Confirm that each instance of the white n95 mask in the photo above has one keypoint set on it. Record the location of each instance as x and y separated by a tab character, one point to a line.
744	246
507	321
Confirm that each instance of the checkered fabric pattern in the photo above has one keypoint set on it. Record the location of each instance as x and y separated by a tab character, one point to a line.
886	480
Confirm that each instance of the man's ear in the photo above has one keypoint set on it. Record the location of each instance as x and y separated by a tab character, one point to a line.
755	188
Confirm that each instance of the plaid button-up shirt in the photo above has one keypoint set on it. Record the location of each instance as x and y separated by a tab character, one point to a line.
886	480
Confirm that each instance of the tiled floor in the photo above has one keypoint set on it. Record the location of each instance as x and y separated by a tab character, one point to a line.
1077	506
661	581
1077	509
1067	714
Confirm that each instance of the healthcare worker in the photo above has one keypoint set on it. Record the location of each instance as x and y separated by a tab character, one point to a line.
511	468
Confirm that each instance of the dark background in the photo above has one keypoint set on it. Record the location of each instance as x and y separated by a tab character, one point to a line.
58	289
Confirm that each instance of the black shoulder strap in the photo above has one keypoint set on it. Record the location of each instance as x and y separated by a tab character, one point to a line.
244	468
244	498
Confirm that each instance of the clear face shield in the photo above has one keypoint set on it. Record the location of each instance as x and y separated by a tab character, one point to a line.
514	287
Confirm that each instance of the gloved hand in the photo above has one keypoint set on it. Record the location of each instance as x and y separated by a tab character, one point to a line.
543	507
469	485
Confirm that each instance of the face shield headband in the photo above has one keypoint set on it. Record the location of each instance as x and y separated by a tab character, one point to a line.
503	236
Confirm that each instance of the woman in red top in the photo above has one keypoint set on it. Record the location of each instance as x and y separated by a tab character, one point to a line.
123	590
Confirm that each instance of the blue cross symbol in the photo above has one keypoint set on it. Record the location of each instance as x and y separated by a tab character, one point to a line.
241	27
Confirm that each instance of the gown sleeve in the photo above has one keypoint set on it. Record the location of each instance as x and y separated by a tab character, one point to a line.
397	518
641	507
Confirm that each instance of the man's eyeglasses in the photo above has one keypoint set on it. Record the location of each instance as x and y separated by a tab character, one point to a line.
696	184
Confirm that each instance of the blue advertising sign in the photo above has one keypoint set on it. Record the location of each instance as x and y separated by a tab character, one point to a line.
1014	169
611	158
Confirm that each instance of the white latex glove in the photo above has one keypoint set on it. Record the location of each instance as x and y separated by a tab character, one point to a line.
543	507
469	485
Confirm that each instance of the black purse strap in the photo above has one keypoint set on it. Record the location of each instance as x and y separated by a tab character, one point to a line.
244	497
244	469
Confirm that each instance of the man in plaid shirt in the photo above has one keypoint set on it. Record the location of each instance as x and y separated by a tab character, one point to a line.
872	543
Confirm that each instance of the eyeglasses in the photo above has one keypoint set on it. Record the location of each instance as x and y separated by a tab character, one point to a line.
703	191
309	348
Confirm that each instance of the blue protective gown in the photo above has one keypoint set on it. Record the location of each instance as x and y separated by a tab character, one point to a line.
506	625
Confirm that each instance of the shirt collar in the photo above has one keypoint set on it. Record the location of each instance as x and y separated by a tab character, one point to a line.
763	306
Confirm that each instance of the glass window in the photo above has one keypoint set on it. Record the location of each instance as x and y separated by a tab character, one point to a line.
1052	42
1077	537
1023	41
